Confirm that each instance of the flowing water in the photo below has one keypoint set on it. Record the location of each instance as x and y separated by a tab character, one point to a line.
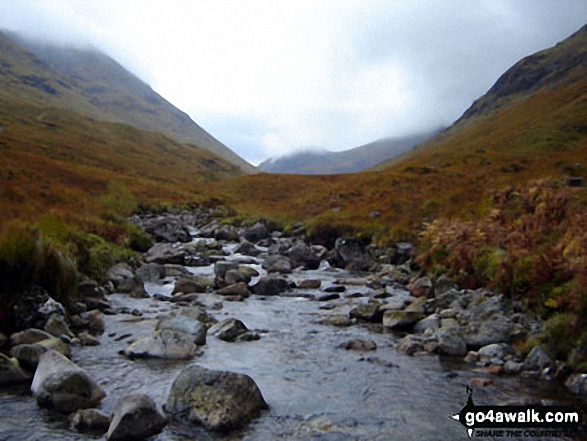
314	389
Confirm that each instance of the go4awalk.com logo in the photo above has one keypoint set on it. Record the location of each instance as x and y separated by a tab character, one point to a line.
520	421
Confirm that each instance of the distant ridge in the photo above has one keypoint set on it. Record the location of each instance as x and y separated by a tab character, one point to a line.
93	84
324	162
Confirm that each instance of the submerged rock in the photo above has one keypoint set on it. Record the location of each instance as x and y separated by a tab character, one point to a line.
62	385
217	400
135	417
358	345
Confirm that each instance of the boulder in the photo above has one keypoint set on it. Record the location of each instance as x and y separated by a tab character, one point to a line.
188	321
192	284
495	351
412	344
90	421
348	253
450	342
236	289
401	319
62	385
217	400
228	330
358	345
125	280
57	326
367	313
421	287
537	360
166	254
246	248
167	344
168	229
443	285
310	284
135	417
277	264
302	255
237	276
221	267
270	286
10	372
430	322
257	232
577	384
29	355
95	322
29	336
227	233
151	272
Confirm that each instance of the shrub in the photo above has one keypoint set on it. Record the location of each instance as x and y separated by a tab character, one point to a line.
119	200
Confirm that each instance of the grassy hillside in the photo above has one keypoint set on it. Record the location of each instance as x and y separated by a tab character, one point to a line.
94	85
55	161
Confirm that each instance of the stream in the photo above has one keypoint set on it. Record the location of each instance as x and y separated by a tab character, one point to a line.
315	390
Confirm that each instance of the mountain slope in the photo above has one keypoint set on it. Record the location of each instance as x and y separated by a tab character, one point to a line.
94	85
519	133
348	161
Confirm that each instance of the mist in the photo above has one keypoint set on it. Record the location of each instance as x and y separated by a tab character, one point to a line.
270	78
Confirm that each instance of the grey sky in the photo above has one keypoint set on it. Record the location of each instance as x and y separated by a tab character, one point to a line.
268	77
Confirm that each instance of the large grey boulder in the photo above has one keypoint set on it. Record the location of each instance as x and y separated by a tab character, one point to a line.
277	264
367	313
401	319
302	255
29	336
270	286
168	229
221	267
135	417
125	280
191	284
217	400
257	232
167	344
62	385
348	253
188	322
451	342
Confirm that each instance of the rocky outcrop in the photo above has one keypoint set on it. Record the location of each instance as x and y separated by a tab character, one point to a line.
135	417
62	385
217	400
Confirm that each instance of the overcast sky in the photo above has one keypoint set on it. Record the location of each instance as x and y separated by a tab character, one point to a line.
270	77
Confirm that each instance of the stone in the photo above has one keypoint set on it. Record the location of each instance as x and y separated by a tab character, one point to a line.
217	400
95	322
577	384
29	336
310	284
277	264
442	285
188	321
135	417
411	344
270	286
237	276
328	297
495	350
236	289
167	344
537	360
349	254
221	267
168	229
401	319
471	357
367	313
421	287
88	339
62	385
301	255
29	355
90	421
227	233
165	253
11	373
189	285
151	272
58	327
430	322
450	342
334	288
358	345
338	320
246	248
228	330
511	367
257	232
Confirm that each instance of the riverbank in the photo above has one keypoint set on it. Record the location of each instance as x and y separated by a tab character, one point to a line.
347	342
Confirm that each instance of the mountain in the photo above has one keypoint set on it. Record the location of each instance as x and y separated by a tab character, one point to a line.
532	124
324	162
94	85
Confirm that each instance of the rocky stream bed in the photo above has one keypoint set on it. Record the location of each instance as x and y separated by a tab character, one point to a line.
232	333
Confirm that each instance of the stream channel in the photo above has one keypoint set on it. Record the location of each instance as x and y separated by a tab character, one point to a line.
315	390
